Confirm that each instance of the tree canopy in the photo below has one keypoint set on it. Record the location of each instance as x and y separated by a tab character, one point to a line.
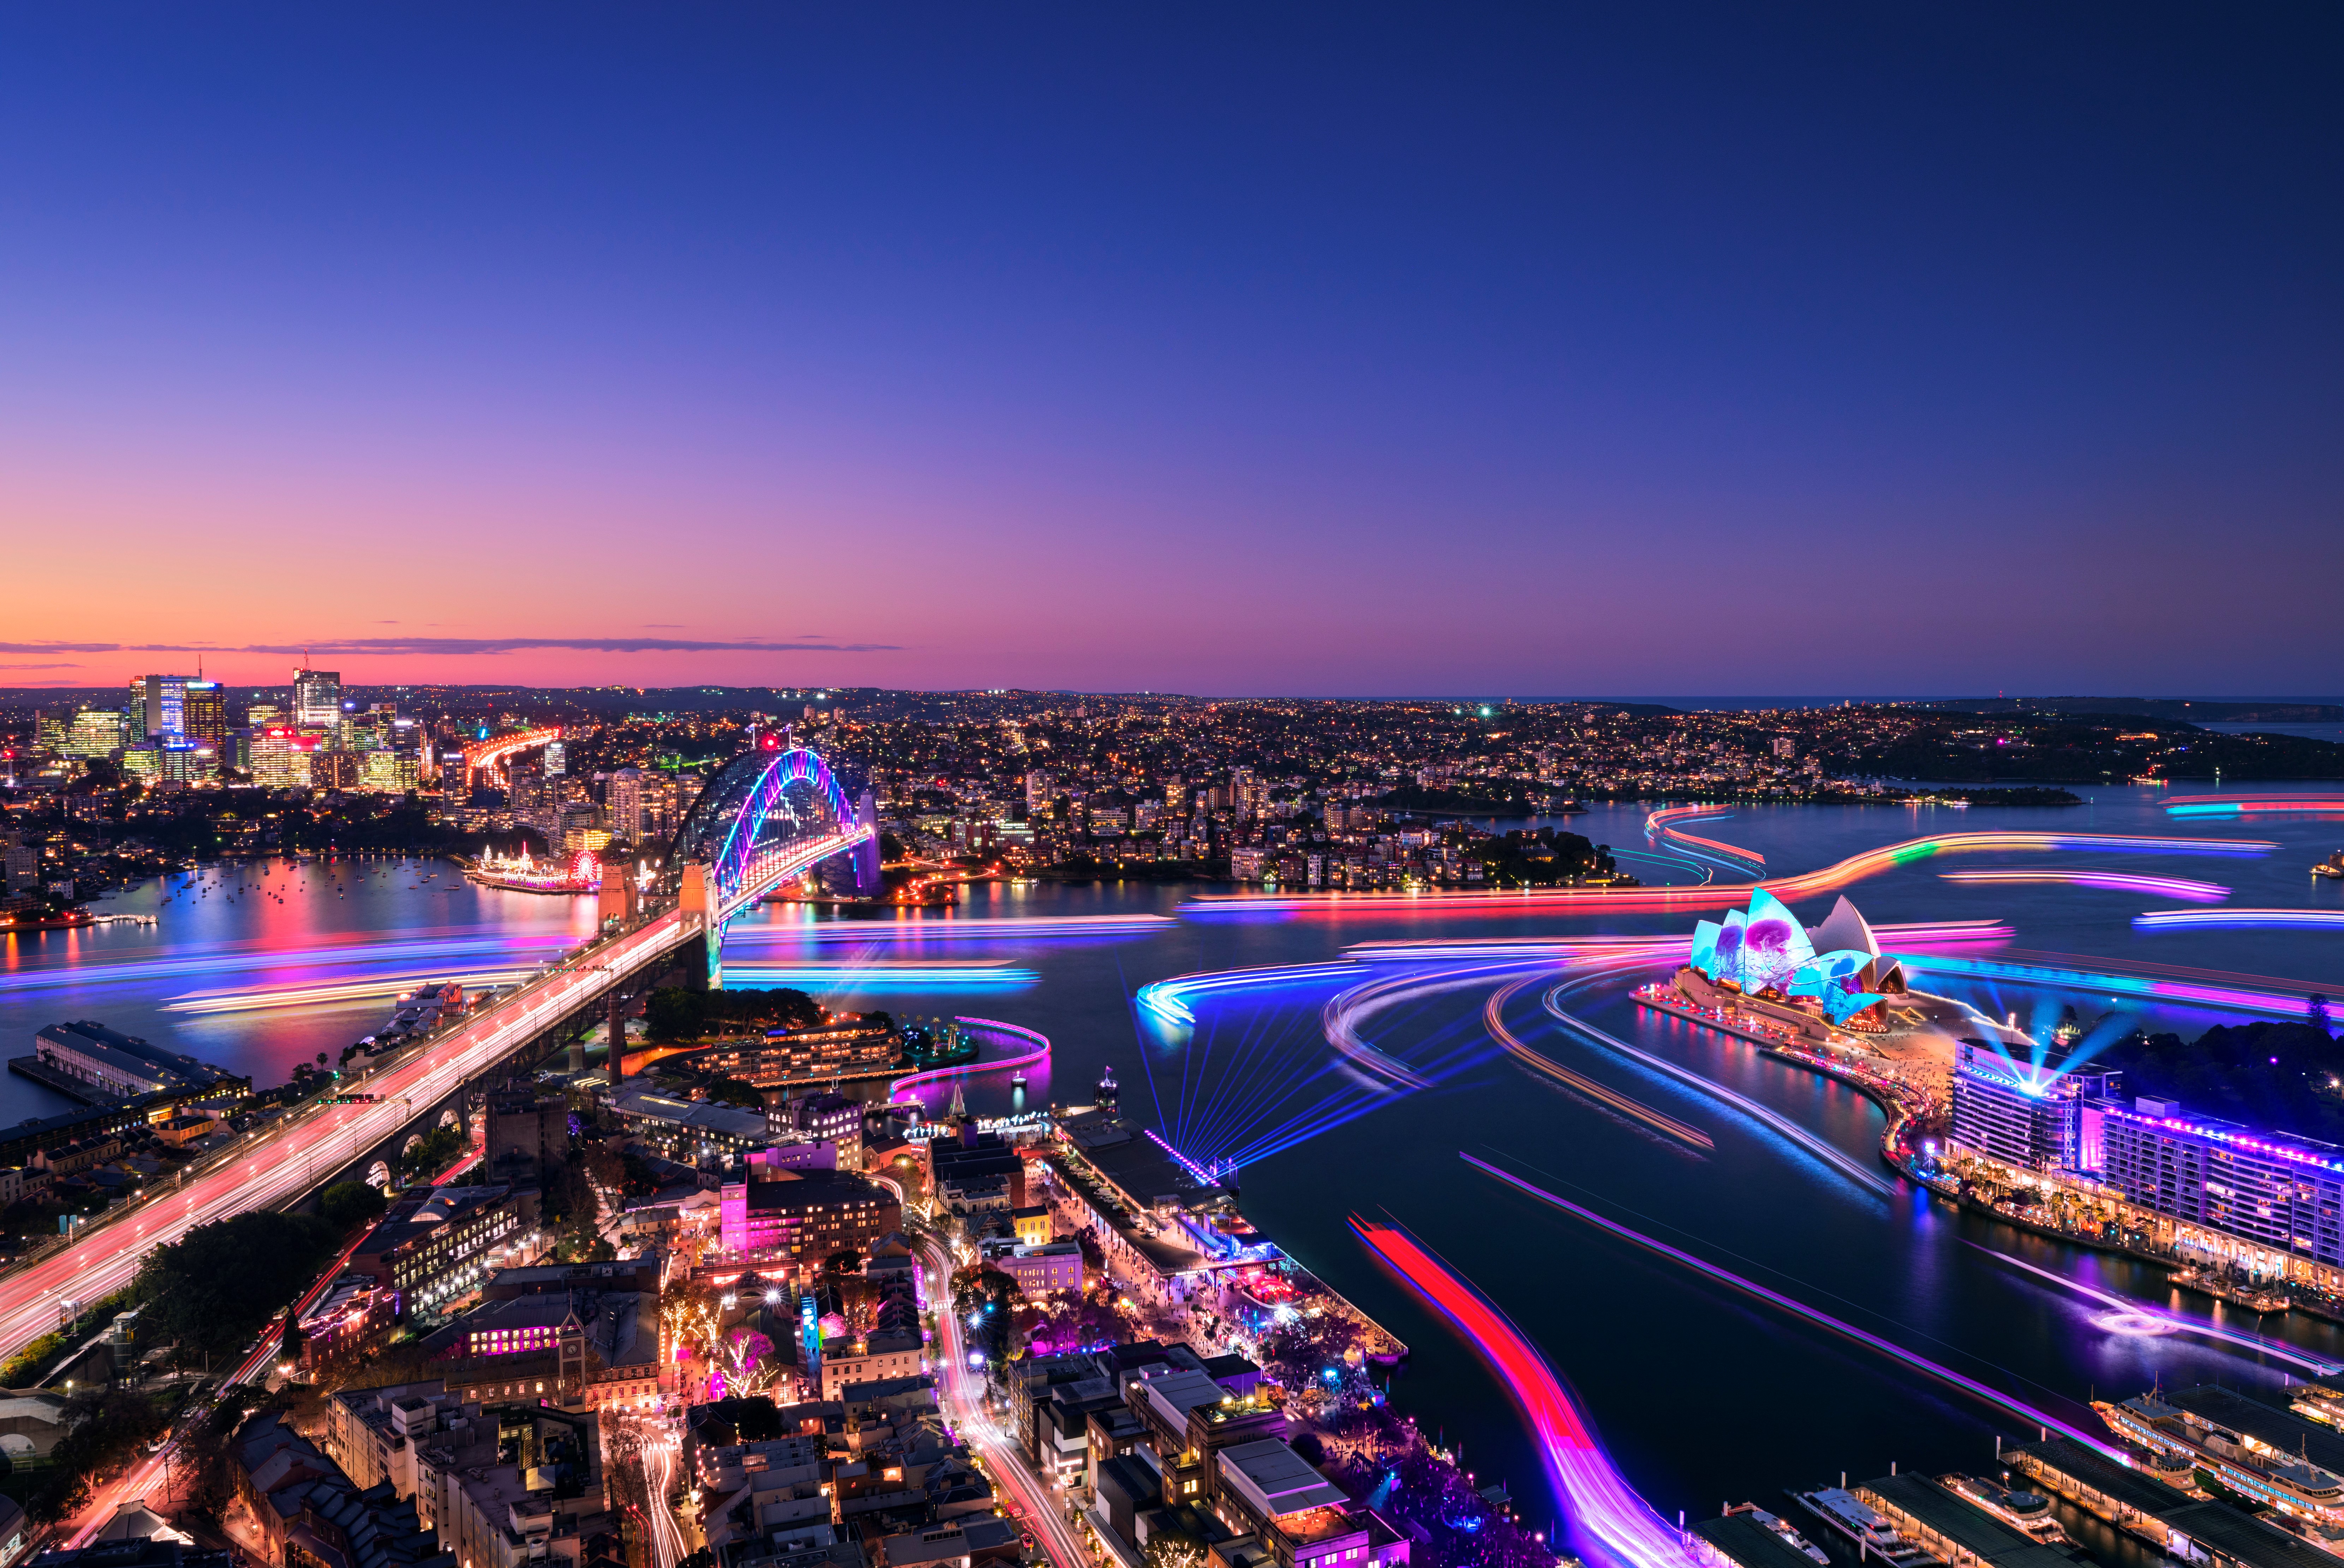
214	1289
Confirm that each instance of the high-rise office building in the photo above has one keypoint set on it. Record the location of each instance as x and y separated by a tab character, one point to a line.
95	732
557	760
624	798
317	699
204	708
158	707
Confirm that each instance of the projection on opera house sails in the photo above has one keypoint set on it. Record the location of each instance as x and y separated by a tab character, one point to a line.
1764	951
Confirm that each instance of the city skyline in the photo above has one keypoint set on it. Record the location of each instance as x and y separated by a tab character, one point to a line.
1538	353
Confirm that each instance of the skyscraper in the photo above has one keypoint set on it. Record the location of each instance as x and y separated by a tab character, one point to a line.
317	699
204	705
625	804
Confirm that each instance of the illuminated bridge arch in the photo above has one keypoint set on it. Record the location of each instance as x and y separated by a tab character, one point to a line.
764	816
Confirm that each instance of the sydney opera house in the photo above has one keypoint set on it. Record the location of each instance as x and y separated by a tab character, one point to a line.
1763	956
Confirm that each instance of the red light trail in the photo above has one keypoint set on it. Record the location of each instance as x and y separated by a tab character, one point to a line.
1605	1513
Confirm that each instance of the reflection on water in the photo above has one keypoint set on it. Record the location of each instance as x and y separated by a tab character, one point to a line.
1701	1394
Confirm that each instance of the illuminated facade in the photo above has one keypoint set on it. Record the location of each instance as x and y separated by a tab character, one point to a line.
318	700
1764	952
2032	1119
2282	1194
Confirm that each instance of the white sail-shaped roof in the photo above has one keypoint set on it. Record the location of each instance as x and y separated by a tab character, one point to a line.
1844	929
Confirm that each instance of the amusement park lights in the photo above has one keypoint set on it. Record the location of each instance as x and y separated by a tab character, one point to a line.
2122	881
1947	1375
1618	1524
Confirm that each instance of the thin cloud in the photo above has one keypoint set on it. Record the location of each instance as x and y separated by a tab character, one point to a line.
56	666
468	647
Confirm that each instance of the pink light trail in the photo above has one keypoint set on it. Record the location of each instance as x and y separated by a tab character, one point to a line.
1596	1497
2122	881
1943	1374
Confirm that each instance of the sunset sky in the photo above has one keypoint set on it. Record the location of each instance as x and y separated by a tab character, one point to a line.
1543	349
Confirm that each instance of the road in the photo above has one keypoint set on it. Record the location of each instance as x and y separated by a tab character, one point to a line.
1013	1479
285	1161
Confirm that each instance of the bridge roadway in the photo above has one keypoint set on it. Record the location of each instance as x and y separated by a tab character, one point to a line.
280	1164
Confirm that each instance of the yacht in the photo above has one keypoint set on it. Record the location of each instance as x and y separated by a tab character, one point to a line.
1782	1527
1843	1512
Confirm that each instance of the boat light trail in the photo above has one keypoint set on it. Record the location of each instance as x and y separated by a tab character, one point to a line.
1715	895
876	977
2251	805
1943	1374
1660	821
348	957
1037	1051
761	933
1605	1513
1168	1000
1341	1016
2116	987
1653	949
2169	1322
2241	919
2122	881
1493	1018
347	994
1837	1158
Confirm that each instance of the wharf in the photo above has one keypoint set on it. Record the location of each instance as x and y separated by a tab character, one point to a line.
2184	1525
65	1083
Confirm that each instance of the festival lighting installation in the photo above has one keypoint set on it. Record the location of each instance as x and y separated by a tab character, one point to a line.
1767	948
2252	805
872	979
1607	1517
1660	821
2116	987
1494	1019
2122	881
1576	900
1837	1159
1943	1374
2241	919
1036	1052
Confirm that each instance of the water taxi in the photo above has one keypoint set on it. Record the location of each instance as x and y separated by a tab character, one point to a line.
1850	1516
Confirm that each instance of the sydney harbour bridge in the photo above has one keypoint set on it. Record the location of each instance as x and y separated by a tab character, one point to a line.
765	817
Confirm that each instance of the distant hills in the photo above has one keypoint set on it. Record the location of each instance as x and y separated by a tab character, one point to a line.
2190	711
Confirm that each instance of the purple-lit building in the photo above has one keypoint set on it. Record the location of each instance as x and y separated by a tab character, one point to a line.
2282	1195
2271	1202
2029	1118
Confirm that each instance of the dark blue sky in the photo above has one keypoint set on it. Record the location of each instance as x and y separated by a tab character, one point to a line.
1883	347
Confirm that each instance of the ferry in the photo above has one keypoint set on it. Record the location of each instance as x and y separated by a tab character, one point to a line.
1782	1527
1843	1512
2332	867
2028	1511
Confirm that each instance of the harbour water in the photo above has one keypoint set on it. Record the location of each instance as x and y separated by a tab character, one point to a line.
1700	1393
